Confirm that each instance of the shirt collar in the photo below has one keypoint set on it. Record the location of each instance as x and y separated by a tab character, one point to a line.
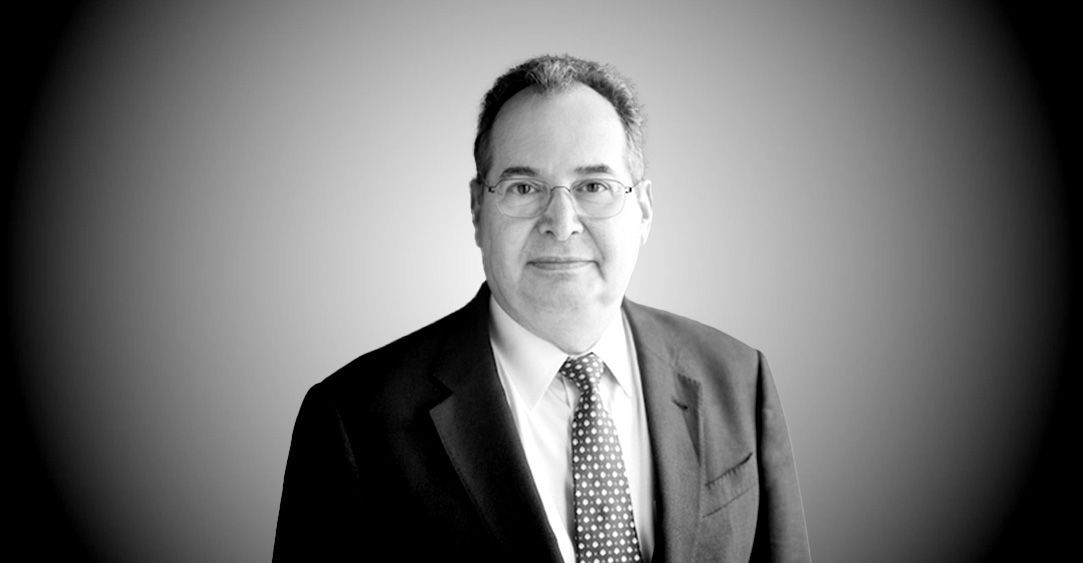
531	363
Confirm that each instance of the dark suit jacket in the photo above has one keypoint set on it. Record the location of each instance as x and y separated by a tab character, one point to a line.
410	453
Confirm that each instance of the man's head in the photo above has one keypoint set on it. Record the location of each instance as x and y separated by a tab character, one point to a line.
562	270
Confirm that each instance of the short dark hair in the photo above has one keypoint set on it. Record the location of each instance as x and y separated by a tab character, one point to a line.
553	73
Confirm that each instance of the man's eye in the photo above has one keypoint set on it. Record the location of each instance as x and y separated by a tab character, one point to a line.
594	187
522	188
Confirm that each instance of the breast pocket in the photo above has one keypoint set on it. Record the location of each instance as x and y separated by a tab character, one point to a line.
731	485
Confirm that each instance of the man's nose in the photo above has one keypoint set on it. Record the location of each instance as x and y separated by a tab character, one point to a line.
561	218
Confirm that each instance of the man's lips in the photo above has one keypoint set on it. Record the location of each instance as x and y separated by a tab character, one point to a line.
558	263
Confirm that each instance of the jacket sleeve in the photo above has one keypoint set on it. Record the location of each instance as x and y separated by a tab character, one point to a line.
781	534
320	514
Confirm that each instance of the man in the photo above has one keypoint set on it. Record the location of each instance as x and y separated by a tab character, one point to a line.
550	419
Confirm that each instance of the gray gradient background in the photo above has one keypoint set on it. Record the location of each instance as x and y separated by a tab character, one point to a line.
228	203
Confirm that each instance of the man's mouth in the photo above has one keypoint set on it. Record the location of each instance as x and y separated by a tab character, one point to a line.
558	263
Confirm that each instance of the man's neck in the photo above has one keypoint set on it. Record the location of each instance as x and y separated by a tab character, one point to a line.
574	334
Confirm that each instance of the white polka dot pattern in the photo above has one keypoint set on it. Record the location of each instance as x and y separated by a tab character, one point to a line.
605	529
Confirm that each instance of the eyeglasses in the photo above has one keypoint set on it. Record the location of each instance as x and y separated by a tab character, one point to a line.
527	198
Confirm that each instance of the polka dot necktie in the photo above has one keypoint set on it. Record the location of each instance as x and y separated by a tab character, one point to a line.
605	530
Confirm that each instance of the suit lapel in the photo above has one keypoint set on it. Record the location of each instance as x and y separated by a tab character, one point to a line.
478	432
672	404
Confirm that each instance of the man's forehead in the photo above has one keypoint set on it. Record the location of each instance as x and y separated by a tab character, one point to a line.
576	97
574	129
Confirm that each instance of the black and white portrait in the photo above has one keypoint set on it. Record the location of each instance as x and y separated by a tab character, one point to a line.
214	206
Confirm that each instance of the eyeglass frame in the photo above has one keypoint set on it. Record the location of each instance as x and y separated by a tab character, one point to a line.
550	188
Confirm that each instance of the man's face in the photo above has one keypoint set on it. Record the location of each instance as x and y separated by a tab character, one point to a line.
561	266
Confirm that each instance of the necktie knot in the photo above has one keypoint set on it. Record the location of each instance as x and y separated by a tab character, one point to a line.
585	371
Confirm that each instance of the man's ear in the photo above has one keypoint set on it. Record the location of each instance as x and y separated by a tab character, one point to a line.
645	198
476	192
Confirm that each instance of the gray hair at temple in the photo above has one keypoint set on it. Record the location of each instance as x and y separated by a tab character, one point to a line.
553	73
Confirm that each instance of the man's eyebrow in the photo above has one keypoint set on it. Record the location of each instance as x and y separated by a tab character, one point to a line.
518	171
594	169
512	171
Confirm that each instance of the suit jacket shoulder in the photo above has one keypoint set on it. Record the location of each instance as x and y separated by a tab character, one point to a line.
684	336
697	351
396	376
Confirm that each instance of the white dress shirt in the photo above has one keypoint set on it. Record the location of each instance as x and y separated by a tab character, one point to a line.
542	403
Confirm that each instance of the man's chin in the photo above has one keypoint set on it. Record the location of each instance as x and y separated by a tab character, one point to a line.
566	299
